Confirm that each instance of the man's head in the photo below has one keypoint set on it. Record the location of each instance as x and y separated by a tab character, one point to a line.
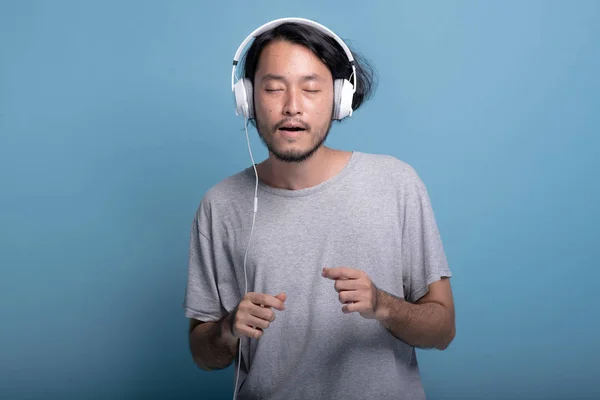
292	68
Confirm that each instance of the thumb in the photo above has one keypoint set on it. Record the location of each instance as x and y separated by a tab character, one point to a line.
281	296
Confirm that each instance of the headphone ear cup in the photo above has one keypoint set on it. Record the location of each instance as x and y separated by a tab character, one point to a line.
346	96
244	98
342	94
249	97
337	98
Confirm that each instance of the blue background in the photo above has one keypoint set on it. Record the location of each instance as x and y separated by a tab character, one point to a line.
117	116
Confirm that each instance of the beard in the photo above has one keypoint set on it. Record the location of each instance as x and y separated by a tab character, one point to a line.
267	135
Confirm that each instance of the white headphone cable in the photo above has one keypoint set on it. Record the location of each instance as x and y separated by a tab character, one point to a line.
246	253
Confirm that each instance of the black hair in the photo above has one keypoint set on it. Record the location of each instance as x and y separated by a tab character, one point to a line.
326	48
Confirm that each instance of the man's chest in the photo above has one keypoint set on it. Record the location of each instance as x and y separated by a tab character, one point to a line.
292	243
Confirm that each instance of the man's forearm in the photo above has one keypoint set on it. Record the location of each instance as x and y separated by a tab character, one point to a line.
428	325
212	345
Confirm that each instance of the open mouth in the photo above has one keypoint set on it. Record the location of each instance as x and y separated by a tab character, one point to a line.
292	128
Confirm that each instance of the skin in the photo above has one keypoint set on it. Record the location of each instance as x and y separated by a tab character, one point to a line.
292	85
430	323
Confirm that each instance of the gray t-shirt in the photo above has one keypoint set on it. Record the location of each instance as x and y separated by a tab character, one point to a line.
375	215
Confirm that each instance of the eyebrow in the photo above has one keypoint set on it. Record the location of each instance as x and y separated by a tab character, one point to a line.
274	77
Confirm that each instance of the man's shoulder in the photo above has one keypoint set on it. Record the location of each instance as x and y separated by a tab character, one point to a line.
389	166
229	189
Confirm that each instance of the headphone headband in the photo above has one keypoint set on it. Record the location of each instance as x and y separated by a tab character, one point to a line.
303	21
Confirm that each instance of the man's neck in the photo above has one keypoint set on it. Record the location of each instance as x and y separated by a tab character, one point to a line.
323	165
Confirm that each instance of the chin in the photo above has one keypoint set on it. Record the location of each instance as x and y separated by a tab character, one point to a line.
292	150
293	155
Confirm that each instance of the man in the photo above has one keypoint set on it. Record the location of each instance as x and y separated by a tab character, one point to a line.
346	272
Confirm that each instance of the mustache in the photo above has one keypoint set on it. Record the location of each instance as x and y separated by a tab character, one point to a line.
294	121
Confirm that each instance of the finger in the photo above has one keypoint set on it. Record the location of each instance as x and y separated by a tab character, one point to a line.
267	301
349	296
246	323
347	284
262	312
248	308
256	322
249	332
352	307
342	273
281	297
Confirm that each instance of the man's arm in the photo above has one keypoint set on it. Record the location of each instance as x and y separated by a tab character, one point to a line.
212	344
429	323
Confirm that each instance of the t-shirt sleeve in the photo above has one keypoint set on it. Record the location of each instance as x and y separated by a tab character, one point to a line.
423	258
202	300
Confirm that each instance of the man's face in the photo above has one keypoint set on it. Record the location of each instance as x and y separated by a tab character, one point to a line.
293	97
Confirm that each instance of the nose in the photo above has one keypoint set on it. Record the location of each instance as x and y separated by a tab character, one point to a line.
293	105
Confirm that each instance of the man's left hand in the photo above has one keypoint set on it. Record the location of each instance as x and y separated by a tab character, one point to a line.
356	290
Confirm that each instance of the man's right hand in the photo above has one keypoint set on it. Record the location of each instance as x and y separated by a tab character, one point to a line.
254	314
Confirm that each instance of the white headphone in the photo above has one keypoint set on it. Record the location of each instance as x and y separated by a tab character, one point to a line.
343	89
